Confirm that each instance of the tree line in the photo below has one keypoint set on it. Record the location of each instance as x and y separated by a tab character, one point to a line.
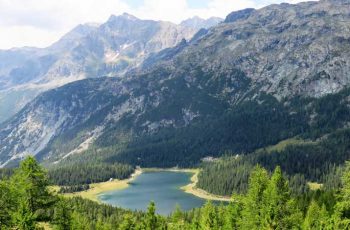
319	162
88	173
26	202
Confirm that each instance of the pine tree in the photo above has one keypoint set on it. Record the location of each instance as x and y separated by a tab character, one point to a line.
79	222
29	187
31	181
7	204
253	203
316	217
62	216
279	210
177	221
151	220
232	215
195	223
341	217
128	223
24	218
209	219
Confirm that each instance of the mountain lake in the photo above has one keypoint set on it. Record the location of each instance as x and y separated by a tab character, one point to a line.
162	187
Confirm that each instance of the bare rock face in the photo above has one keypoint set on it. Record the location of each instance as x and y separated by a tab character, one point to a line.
88	51
284	49
200	23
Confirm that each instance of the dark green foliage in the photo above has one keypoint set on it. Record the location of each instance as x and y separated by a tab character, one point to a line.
267	204
7	204
247	126
74	188
302	163
89	173
62	218
151	220
6	173
25	198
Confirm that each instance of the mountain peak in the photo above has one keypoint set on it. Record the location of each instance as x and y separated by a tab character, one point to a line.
238	15
125	16
197	22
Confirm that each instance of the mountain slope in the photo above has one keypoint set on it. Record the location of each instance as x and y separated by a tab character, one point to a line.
109	49
257	79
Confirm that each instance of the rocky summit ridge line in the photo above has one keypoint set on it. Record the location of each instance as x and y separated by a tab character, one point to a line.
88	51
254	67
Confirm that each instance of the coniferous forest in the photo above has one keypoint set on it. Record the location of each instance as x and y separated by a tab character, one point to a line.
244	120
268	203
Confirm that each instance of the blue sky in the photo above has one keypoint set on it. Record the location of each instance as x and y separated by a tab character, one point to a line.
41	22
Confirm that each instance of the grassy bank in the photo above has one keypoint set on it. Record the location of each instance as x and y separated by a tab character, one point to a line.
98	188
192	189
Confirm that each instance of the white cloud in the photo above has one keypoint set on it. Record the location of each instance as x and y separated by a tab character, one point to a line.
41	22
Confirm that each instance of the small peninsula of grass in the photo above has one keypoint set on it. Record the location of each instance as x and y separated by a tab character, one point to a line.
98	188
192	189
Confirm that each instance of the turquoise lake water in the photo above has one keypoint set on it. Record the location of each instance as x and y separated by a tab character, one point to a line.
162	187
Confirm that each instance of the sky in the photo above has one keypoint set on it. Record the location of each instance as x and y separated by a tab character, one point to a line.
39	23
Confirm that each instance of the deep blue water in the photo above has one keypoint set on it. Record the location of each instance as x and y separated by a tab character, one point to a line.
162	187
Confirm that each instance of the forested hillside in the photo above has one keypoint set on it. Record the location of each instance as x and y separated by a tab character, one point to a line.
27	203
258	78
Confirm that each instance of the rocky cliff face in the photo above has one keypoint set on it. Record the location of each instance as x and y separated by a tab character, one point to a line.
282	51
109	49
200	23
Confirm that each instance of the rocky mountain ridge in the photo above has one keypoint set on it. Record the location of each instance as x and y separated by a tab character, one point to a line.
251	81
88	51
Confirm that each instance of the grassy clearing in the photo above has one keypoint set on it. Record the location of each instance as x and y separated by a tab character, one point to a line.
98	188
314	185
44	225
283	144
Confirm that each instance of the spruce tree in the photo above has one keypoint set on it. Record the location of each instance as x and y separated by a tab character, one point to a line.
7	205
128	223
253	203
232	215
31	181
209	218
341	217
316	217
62	216
24	218
151	220
279	209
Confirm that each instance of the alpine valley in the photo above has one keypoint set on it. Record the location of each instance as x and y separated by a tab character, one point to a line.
256	105
260	77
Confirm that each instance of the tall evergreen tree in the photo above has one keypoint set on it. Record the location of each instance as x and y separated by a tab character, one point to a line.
62	216
24	218
341	217
32	183
128	223
316	217
209	218
279	209
151	220
232	215
253	203
29	186
7	205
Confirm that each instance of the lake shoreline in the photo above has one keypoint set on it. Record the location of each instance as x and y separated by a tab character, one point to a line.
191	188
97	188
